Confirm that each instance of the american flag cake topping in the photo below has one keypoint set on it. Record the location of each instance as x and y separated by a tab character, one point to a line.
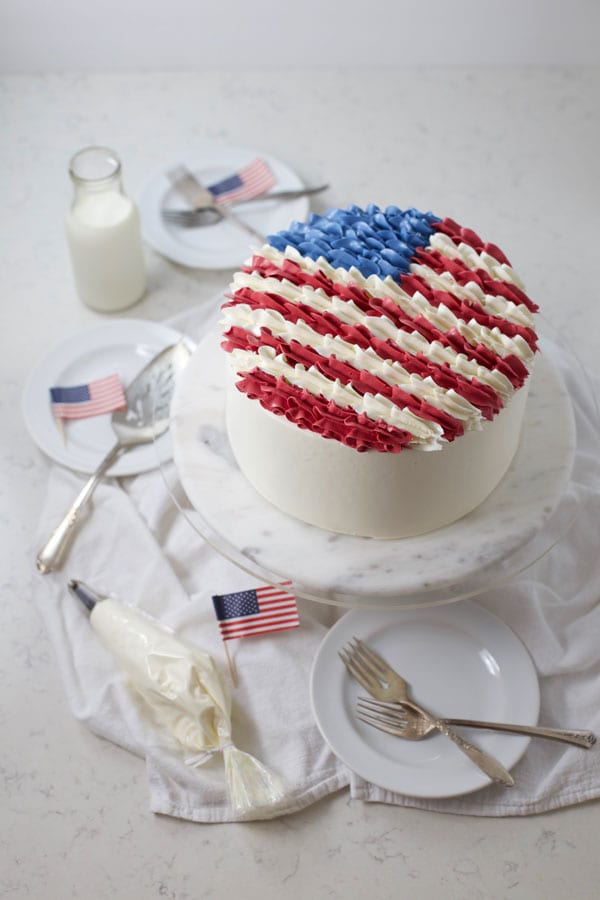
380	329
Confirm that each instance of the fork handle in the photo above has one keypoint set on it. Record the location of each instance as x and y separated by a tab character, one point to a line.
490	766
235	220
54	549
574	736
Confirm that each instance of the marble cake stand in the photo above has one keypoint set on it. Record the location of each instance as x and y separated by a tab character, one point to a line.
519	522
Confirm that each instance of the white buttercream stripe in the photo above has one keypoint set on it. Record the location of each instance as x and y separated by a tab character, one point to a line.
472	259
347	311
493	304
426	435
439	316
391	372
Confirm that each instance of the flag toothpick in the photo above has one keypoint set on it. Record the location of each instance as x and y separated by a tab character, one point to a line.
60	424
261	610
231	665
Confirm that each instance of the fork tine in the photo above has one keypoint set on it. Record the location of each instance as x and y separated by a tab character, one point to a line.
391	706
376	661
357	672
358	651
392	721
362	664
392	710
381	717
380	726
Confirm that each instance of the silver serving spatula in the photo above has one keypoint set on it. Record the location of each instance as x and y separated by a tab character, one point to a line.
145	418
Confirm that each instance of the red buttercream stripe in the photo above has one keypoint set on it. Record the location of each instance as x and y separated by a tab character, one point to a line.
463	275
466	310
410	284
327	323
363	382
460	235
322	416
480	395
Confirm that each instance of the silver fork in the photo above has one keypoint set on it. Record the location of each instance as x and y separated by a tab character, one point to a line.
399	719
193	218
384	683
199	197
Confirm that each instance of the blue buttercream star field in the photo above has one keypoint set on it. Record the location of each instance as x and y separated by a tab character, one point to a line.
375	241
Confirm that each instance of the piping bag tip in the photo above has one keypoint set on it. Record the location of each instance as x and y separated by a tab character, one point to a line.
88	597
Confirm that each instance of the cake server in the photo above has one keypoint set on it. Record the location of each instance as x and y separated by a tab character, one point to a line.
384	683
145	418
199	197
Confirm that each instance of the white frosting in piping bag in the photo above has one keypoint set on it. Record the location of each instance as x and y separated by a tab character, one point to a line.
182	687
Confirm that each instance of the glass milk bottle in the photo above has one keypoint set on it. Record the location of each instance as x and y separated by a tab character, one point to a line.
103	233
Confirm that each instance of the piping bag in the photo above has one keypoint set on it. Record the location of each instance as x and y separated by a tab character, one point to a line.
184	690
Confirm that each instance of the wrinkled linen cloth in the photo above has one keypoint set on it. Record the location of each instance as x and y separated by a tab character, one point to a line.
135	545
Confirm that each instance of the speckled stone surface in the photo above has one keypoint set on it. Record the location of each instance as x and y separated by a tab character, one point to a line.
513	152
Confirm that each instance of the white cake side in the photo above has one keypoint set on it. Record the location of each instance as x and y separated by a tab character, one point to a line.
372	494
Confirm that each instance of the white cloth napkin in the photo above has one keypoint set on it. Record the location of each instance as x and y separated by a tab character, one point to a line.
135	545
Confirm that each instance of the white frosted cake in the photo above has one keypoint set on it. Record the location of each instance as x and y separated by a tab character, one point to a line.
380	363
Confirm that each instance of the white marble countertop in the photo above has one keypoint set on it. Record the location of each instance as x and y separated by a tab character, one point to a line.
512	153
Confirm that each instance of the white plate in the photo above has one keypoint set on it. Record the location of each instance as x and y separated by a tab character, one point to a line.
219	246
460	661
124	346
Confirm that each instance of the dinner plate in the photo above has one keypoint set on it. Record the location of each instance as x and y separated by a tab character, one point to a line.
460	661
123	346
223	245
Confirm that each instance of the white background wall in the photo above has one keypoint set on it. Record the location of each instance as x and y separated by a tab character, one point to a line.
122	34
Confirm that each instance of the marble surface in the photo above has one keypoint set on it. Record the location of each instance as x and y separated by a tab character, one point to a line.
512	152
486	546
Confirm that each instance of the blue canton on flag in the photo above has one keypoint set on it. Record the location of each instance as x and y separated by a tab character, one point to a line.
232	606
255	611
70	394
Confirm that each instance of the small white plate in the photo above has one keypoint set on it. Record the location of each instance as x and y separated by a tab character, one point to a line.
125	347
459	661
219	246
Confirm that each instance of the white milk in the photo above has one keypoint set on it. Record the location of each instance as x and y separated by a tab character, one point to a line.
103	232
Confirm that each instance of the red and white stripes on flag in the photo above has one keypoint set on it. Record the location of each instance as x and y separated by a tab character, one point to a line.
80	401
253	180
255	611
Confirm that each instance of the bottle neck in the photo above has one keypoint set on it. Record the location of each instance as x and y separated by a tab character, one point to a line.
95	171
98	200
87	190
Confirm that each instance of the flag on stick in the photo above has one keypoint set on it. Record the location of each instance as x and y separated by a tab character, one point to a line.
254	179
83	400
257	611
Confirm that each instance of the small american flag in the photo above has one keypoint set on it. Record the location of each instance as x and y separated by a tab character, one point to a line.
254	179
94	399
256	611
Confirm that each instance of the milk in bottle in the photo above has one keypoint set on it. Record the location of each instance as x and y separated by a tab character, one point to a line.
103	232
